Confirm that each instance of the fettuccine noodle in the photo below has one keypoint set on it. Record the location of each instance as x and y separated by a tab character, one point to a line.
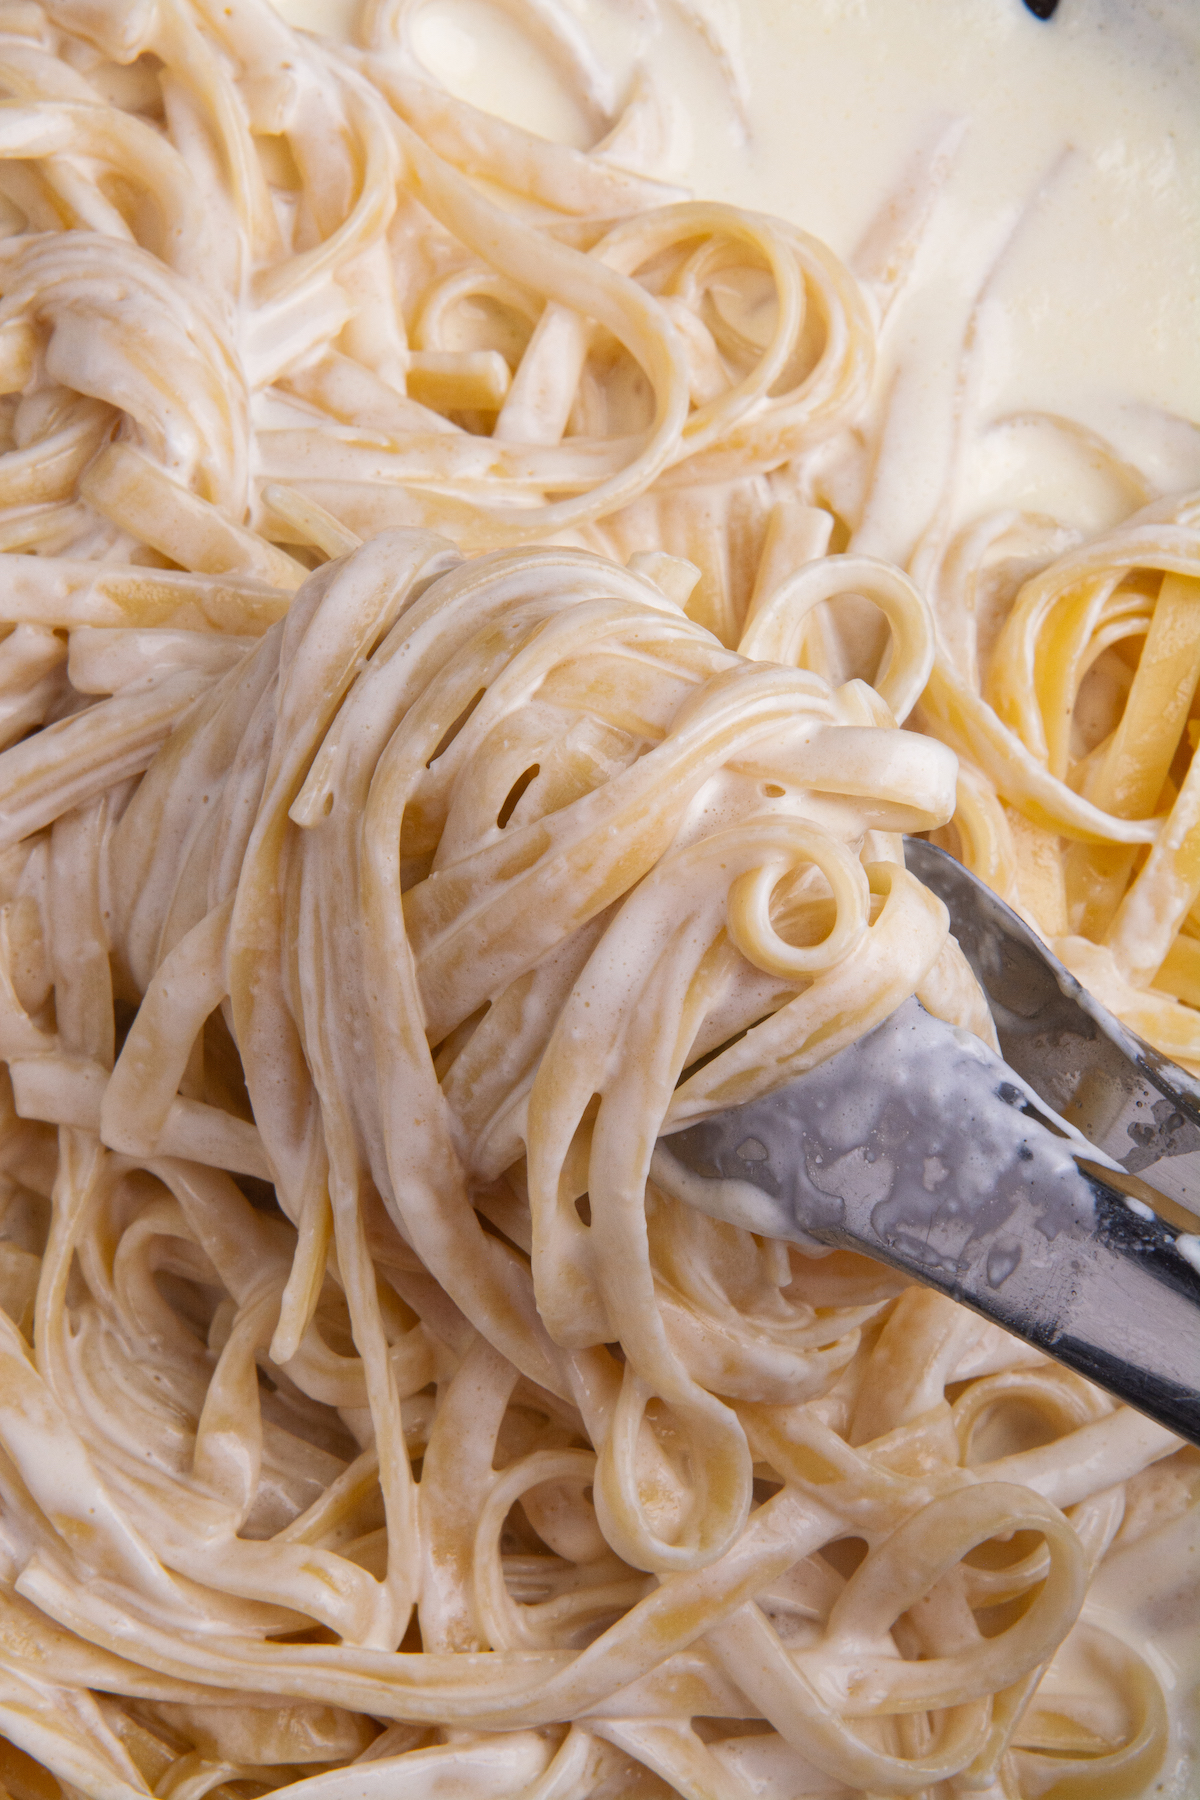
450	736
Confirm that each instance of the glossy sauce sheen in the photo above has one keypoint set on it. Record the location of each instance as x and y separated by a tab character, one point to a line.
1065	246
918	1121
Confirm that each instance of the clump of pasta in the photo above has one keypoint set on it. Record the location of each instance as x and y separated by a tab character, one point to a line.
1078	721
436	907
448	737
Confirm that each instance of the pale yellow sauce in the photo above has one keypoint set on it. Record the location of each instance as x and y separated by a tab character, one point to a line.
1075	196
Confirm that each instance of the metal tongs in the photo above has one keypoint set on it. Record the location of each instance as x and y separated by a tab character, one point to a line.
1016	1185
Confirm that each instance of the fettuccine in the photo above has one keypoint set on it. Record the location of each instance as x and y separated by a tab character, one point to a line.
450	736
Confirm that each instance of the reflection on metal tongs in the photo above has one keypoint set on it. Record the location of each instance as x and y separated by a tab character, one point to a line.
1056	1191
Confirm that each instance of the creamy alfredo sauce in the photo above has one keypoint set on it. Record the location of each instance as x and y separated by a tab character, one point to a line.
1064	247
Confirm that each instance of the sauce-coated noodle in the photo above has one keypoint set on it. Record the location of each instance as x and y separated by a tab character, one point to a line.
446	739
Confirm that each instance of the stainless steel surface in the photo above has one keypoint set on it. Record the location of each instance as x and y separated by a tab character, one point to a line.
926	1150
1134	1104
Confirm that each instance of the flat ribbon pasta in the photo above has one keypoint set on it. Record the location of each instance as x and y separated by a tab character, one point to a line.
449	736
